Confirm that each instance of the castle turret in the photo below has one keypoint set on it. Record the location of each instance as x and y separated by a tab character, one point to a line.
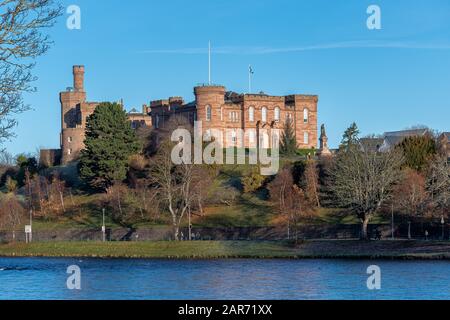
78	78
72	132
209	101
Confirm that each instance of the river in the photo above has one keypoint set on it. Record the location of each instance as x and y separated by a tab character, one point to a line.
46	278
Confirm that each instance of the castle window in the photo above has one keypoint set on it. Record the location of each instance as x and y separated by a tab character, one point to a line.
277	114
305	115
69	152
208	113
306	138
233	116
69	139
264	114
207	135
251	114
251	138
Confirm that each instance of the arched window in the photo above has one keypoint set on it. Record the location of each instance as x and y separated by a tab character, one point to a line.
265	140
208	113
277	114
306	138
252	138
207	135
251	114
275	140
264	114
305	115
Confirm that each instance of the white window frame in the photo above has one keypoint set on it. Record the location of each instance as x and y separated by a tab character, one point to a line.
208	113
251	114
264	114
277	114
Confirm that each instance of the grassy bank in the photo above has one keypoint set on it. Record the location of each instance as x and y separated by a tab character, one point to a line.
233	249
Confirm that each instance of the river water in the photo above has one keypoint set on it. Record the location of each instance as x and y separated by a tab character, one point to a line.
46	278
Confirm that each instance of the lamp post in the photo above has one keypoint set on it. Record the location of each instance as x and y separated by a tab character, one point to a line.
31	225
392	221
442	224
103	225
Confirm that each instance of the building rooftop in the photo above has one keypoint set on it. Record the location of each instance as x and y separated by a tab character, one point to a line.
407	133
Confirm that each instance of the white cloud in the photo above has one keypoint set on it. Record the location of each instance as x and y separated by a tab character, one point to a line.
239	50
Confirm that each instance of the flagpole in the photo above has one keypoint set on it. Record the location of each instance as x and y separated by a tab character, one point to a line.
249	79
209	62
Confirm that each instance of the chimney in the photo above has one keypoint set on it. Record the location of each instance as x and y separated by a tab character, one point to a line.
78	78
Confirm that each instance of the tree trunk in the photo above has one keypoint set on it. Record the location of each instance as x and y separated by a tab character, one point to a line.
61	197
364	227
409	230
176	232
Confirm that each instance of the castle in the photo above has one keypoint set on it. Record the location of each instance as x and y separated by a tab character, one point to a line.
216	107
219	109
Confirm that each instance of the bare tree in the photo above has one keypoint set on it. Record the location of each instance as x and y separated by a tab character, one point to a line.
11	213
37	190
311	177
363	180
7	159
176	184
409	196
59	186
438	183
290	200
21	41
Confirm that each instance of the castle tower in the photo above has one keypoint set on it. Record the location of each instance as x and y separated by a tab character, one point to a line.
209	100
72	133
78	78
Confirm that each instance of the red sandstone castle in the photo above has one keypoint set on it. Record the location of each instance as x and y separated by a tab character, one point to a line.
213	105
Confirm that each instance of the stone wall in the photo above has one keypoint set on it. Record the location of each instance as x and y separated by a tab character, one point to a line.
234	233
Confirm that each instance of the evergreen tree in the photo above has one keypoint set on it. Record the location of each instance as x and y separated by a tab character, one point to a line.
418	151
350	136
288	144
109	143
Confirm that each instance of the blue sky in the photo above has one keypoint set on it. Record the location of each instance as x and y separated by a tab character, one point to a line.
141	50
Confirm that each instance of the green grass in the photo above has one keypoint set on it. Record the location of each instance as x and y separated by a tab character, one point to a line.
233	249
207	249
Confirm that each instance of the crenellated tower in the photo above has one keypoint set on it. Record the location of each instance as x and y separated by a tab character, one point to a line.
209	102
72	132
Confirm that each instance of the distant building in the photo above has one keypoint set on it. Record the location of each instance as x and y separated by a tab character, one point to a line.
392	139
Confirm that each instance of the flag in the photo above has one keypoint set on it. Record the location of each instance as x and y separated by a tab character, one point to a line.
250	69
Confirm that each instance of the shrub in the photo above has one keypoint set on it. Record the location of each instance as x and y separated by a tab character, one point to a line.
252	182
